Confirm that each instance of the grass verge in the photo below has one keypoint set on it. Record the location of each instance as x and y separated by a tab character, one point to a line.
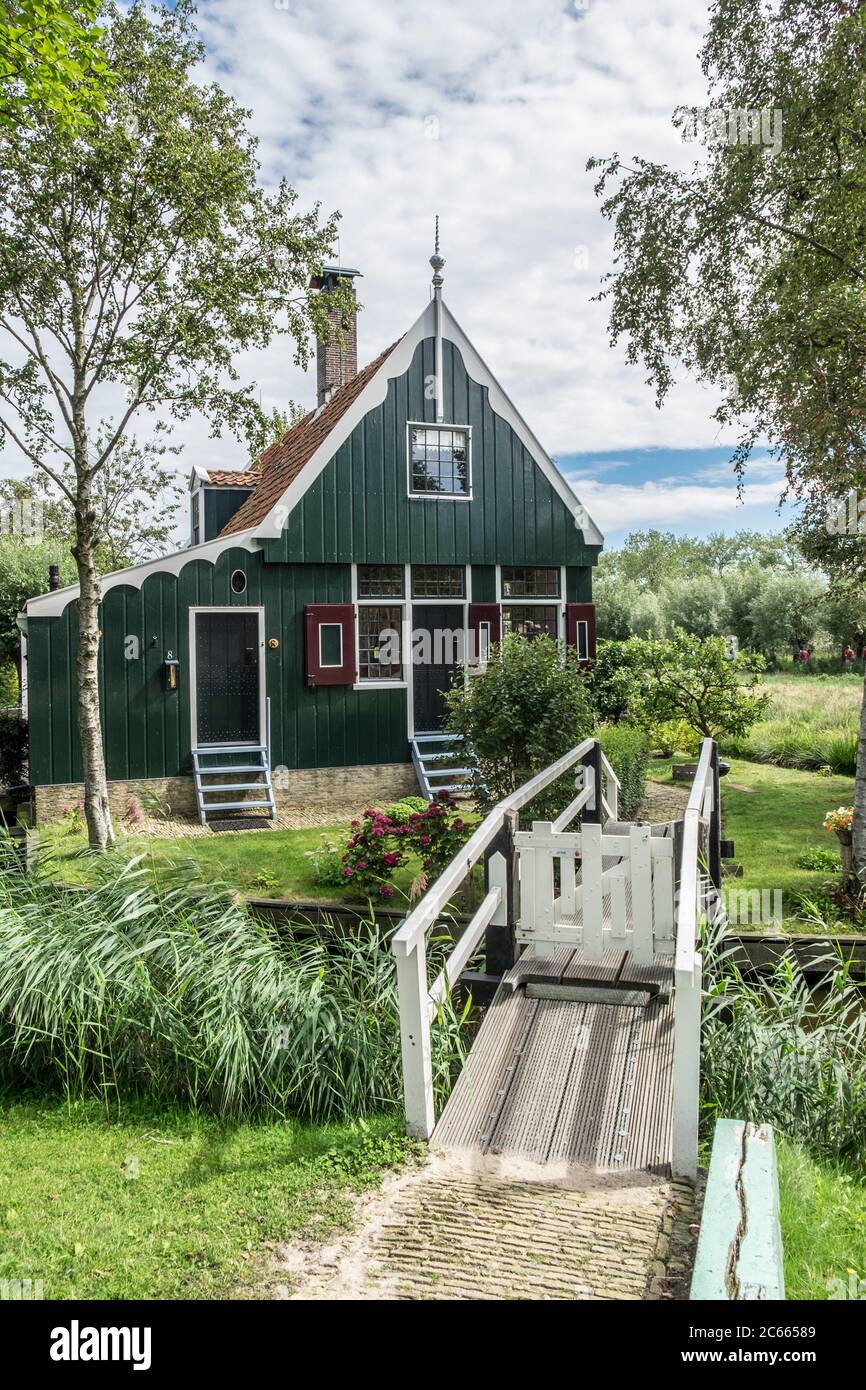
167	1204
257	863
823	1218
774	815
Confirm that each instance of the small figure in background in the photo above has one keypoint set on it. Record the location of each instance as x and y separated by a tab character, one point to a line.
804	656
848	658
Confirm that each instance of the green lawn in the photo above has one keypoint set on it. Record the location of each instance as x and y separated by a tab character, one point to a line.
823	1218
168	1204
258	863
773	823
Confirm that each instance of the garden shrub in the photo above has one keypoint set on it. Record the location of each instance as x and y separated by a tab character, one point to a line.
674	736
377	847
326	861
408	806
13	751
627	749
381	843
528	706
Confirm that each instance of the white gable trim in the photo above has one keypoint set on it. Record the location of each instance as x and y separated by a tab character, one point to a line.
51	605
396	363
500	403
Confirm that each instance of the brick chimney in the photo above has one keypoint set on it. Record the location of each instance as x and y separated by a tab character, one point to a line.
336	361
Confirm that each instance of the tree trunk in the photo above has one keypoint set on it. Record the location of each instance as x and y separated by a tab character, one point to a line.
859	826
100	832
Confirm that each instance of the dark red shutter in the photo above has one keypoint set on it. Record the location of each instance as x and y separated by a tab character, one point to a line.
316	616
581	613
483	613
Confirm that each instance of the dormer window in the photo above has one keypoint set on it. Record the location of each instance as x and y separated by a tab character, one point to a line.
439	461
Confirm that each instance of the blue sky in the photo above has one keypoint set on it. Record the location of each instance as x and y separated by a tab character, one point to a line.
688	491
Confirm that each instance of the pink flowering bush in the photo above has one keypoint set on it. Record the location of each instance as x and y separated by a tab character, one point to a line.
376	849
382	841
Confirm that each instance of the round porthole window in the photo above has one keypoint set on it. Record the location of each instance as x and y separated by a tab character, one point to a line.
239	582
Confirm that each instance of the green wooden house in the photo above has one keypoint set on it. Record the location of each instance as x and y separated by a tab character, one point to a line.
298	647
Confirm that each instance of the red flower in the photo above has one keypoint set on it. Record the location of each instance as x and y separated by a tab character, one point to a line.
386	890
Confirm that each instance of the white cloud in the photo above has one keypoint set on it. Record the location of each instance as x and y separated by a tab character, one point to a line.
344	99
520	96
618	508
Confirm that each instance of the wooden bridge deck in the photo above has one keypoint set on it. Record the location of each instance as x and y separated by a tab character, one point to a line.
580	1081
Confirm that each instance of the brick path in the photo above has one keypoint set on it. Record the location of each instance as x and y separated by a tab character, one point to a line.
443	1233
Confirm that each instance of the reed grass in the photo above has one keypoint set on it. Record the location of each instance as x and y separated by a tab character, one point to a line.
172	989
777	1049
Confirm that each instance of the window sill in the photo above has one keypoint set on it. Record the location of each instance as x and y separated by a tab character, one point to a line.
440	496
380	685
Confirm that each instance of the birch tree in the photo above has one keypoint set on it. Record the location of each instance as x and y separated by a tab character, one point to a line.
139	257
746	270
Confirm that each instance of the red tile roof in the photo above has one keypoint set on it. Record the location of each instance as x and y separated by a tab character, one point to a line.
281	462
226	477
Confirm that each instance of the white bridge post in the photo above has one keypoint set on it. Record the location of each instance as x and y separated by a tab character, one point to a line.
415	1042
687	1071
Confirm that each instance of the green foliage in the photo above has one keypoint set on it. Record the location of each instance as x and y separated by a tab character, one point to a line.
819	860
527	707
615	681
775	1050
178	993
698	605
822	1212
686	678
9	691
23	574
671	736
627	749
327	863
52	62
401	811
745	267
13	750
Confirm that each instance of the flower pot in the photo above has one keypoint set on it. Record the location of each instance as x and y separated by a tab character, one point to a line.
846	852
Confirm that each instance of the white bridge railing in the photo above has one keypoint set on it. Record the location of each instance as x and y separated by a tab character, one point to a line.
638	891
494	839
698	867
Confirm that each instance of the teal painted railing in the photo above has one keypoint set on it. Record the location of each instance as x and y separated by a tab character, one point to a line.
739	1254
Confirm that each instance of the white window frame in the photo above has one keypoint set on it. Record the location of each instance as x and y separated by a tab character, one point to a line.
522	601
382	601
406	604
437	496
330	665
263	684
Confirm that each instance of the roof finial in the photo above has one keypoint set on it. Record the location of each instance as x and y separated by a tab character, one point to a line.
437	261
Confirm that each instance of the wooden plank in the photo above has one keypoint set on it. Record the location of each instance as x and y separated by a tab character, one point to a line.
641	894
591	893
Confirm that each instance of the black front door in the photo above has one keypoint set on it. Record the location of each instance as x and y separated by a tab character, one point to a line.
436	630
227	678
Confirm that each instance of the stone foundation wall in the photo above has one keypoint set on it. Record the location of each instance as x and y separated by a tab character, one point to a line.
373	784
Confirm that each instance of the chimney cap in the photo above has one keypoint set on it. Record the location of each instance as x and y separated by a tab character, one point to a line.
332	273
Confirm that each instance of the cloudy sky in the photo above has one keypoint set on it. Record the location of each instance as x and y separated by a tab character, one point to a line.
486	111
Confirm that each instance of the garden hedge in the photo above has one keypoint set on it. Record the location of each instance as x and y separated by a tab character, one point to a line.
627	749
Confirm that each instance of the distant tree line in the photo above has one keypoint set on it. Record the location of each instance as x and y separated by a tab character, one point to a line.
758	588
